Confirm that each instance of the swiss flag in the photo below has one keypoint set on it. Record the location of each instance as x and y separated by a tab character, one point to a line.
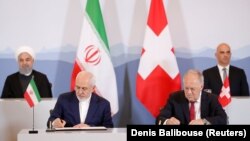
158	73
225	96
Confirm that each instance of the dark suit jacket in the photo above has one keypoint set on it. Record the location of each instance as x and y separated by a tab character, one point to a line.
177	106
67	108
13	89
237	79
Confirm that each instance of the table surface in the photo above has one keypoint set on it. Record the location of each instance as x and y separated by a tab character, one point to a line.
111	134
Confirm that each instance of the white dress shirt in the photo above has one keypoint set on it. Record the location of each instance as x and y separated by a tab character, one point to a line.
221	71
197	110
84	106
197	107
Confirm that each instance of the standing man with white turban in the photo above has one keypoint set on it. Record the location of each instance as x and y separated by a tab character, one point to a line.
16	84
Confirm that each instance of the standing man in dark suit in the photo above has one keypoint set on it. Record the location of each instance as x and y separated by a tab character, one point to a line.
81	107
16	84
206	107
213	77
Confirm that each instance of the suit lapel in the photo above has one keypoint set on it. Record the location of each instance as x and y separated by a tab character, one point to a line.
75	108
217	77
231	76
203	105
92	108
185	108
17	82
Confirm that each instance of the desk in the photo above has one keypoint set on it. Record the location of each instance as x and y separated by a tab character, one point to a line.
111	134
238	110
15	115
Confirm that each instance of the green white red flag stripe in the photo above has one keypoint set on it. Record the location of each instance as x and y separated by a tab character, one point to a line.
93	55
31	94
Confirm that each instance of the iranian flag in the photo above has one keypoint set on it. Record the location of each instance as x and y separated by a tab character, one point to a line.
31	94
158	74
93	55
225	96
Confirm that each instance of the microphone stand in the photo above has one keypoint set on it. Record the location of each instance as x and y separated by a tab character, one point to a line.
33	131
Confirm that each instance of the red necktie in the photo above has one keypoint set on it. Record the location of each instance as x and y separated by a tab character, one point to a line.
192	111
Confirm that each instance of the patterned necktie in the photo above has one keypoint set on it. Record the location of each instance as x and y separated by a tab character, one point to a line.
224	74
192	111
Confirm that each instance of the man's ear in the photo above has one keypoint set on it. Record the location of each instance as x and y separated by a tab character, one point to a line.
202	87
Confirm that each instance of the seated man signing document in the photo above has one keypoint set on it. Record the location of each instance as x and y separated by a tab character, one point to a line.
81	107
192	106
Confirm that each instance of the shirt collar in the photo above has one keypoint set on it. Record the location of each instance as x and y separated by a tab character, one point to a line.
87	100
199	99
220	67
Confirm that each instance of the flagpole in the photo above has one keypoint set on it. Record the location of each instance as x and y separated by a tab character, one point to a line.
33	131
33	124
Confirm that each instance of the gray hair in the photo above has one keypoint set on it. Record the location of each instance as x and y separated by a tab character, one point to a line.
195	72
87	75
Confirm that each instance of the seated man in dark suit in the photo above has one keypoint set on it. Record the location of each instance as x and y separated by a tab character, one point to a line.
81	107
16	84
214	79
192	106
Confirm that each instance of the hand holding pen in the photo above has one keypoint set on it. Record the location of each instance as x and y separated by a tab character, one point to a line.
58	123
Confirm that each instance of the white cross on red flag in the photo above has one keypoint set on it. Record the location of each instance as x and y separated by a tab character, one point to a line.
158	74
225	96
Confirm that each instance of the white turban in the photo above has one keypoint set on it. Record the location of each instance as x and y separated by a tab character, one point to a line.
26	49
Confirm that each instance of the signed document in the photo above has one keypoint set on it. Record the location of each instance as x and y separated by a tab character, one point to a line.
79	129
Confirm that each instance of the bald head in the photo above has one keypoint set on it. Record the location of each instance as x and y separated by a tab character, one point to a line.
223	54
85	76
221	46
84	85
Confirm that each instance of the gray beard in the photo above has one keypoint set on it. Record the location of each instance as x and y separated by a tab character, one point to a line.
25	71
